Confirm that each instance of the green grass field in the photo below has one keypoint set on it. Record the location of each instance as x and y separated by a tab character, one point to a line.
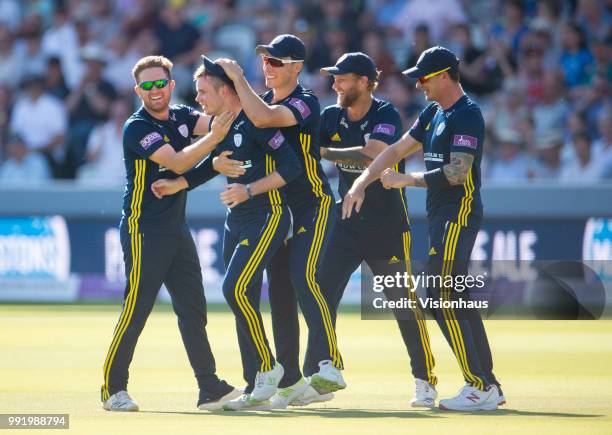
557	377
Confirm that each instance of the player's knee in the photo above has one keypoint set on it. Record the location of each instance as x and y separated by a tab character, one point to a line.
229	291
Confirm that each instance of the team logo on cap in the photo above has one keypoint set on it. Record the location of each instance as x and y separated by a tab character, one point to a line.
237	139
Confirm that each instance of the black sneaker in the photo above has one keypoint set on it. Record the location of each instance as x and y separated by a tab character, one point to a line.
214	400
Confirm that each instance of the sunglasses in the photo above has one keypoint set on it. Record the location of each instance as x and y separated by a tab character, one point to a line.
159	84
277	63
424	79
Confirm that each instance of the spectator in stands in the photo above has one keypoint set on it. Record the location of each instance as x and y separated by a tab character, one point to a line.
583	169
482	71
547	166
551	111
61	40
511	162
602	55
509	112
530	72
34	60
123	55
5	114
374	46
22	167
421	41
512	28
438	15
12	63
41	121
88	105
593	18
104	153
602	147
178	41
54	79
576	57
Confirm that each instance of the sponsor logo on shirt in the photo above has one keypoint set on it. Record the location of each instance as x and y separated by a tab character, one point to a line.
433	157
237	126
277	140
364	125
301	106
150	139
387	129
336	138
343	123
462	140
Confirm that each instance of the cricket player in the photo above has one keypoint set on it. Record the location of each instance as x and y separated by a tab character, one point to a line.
157	245
450	130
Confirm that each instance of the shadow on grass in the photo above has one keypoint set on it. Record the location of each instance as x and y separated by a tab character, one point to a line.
375	413
518	412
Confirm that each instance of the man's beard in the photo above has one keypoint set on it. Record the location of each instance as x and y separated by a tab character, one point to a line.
349	99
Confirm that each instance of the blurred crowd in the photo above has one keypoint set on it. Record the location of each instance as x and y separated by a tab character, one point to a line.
540	69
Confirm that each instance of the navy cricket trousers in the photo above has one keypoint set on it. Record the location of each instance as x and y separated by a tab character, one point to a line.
151	260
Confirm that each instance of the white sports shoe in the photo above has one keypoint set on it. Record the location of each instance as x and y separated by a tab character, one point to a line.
424	395
246	403
120	402
472	399
284	396
310	395
267	382
328	379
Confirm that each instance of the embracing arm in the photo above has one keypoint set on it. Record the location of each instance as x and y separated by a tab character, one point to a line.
355	155
256	109
451	174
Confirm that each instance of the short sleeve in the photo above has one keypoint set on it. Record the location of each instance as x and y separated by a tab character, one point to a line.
324	133
303	107
417	131
467	132
189	117
387	126
274	143
142	138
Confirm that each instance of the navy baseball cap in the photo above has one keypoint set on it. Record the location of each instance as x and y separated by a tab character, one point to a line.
433	60
284	47
357	63
216	70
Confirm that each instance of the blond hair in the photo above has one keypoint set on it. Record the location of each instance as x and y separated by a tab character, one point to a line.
152	62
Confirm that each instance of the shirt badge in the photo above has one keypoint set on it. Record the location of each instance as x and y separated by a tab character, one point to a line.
183	130
237	139
440	128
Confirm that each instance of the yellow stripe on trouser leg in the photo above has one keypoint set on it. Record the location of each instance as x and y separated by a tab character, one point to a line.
452	322
445	292
313	257
255	327
479	382
134	277
128	309
418	315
